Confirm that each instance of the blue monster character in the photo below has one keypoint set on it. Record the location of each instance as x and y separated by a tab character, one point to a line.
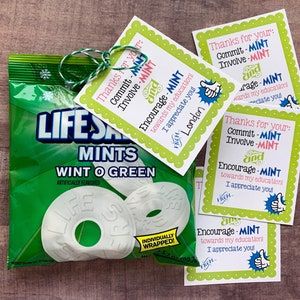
275	204
290	102
259	260
209	91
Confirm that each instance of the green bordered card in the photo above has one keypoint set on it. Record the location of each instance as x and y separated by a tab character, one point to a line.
259	53
252	165
233	250
170	105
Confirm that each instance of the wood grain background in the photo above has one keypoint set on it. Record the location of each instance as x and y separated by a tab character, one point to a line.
59	27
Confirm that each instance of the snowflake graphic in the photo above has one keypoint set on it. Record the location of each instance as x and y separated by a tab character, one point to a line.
48	96
45	74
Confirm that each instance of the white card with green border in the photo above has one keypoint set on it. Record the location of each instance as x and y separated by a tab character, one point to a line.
170	105
252	164
233	250
259	53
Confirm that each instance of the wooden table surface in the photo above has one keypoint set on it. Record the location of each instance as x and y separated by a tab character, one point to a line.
58	27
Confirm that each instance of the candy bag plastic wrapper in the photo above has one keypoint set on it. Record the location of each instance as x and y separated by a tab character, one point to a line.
79	190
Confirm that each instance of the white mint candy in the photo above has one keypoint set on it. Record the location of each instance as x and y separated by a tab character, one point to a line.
168	198
124	185
88	203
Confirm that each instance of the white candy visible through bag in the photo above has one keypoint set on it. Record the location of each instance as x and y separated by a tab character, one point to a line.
168	199
88	203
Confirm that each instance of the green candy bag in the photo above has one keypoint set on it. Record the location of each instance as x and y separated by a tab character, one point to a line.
80	190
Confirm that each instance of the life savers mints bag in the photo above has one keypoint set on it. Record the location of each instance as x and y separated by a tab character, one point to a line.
79	190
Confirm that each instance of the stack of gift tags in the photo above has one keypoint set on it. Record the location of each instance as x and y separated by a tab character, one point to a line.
250	178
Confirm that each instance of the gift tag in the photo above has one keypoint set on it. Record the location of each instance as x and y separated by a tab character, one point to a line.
233	250
259	53
252	165
169	105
